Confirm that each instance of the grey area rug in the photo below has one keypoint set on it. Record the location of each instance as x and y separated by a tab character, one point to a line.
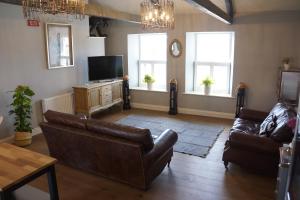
194	138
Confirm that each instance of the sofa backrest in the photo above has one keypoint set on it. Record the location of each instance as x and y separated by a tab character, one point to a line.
283	113
76	121
137	135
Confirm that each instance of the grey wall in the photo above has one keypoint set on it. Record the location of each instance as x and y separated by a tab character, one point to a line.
261	41
23	61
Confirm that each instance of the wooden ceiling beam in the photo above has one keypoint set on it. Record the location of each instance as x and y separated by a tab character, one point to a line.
97	11
16	2
211	9
229	7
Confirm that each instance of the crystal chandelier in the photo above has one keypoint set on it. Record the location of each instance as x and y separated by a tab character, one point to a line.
157	14
32	8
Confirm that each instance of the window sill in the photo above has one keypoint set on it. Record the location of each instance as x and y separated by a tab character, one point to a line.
210	95
145	89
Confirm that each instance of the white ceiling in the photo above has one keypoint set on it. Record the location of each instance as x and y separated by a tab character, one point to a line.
249	6
182	7
133	6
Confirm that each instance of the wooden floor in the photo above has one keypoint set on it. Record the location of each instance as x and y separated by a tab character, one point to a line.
188	178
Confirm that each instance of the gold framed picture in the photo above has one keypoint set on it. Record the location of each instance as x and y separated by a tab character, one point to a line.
59	39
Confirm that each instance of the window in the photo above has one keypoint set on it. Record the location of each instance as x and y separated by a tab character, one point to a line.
212	56
147	54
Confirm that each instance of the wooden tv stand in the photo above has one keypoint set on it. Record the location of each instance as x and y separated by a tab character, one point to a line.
97	96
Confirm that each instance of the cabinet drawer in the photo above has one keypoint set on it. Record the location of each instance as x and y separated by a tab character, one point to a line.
106	93
107	101
107	98
106	88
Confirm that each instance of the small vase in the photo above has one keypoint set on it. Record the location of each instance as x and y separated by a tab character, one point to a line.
207	90
286	66
149	85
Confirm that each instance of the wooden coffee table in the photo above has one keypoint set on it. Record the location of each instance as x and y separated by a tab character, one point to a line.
19	166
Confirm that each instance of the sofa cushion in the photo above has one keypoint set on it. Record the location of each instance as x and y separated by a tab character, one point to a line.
142	136
245	126
279	109
283	133
283	113
268	125
76	121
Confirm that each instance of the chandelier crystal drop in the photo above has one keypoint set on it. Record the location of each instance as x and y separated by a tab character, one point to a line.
157	14
33	8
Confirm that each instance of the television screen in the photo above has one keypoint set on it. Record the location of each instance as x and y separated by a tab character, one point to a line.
105	67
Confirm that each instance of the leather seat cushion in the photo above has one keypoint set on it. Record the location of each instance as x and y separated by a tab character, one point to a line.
268	125
139	135
282	133
76	121
245	126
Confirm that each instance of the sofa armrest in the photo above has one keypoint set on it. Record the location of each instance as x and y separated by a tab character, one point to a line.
161	145
253	115
254	142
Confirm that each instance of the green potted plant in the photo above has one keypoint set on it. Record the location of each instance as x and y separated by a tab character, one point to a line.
207	82
21	109
149	80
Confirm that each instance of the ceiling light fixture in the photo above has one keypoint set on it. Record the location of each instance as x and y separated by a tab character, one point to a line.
32	8
157	14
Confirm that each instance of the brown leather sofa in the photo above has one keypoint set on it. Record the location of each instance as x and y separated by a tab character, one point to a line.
250	146
121	153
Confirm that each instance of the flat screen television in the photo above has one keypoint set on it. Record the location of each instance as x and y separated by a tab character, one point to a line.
105	67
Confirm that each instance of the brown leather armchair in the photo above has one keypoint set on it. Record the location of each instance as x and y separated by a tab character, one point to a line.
118	152
247	147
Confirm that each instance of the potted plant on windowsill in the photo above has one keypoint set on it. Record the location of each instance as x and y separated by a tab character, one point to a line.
21	109
286	63
149	80
207	82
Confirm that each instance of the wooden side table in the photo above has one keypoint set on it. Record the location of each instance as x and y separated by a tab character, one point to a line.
19	166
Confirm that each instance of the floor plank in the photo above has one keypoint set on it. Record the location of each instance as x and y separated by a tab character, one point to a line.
188	178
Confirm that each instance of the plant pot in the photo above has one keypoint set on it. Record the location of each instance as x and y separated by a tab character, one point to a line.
23	139
207	90
149	86
286	66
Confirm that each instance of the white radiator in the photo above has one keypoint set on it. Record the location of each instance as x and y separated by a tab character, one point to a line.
61	103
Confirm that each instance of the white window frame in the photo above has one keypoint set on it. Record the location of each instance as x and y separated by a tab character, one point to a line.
212	65
151	62
228	64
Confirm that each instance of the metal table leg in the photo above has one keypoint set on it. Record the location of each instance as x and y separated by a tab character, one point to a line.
52	184
4	195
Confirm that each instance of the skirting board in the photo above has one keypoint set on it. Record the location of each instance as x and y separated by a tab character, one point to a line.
10	138
188	111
